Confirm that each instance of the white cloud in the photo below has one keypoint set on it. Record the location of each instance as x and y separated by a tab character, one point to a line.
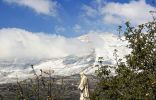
137	12
46	7
19	43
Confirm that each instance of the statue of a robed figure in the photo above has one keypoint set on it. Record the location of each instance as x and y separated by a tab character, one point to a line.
84	87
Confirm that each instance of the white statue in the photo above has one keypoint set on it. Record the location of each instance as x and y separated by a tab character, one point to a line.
84	87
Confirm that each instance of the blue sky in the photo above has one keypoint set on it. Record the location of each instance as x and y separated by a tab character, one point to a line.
58	28
71	18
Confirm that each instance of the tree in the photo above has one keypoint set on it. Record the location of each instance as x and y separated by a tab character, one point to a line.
135	78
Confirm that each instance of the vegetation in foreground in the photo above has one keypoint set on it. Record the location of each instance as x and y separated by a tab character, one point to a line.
44	88
136	78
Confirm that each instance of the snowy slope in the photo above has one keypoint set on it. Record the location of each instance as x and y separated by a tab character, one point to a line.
105	44
101	45
65	66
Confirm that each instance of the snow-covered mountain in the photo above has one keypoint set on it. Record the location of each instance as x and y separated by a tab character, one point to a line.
100	45
65	66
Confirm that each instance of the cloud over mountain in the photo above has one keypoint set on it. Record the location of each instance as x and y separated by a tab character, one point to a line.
19	43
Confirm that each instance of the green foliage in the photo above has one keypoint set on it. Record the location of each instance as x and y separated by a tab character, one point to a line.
135	78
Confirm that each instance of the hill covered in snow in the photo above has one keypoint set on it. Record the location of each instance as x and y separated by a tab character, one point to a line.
97	44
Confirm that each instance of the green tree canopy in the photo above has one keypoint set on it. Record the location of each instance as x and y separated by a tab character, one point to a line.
135	78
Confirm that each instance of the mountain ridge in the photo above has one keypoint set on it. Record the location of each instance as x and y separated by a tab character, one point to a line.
100	45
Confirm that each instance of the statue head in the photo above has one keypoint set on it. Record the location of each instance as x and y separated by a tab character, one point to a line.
82	74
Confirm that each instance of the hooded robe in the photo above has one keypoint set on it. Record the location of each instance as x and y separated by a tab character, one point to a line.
84	87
